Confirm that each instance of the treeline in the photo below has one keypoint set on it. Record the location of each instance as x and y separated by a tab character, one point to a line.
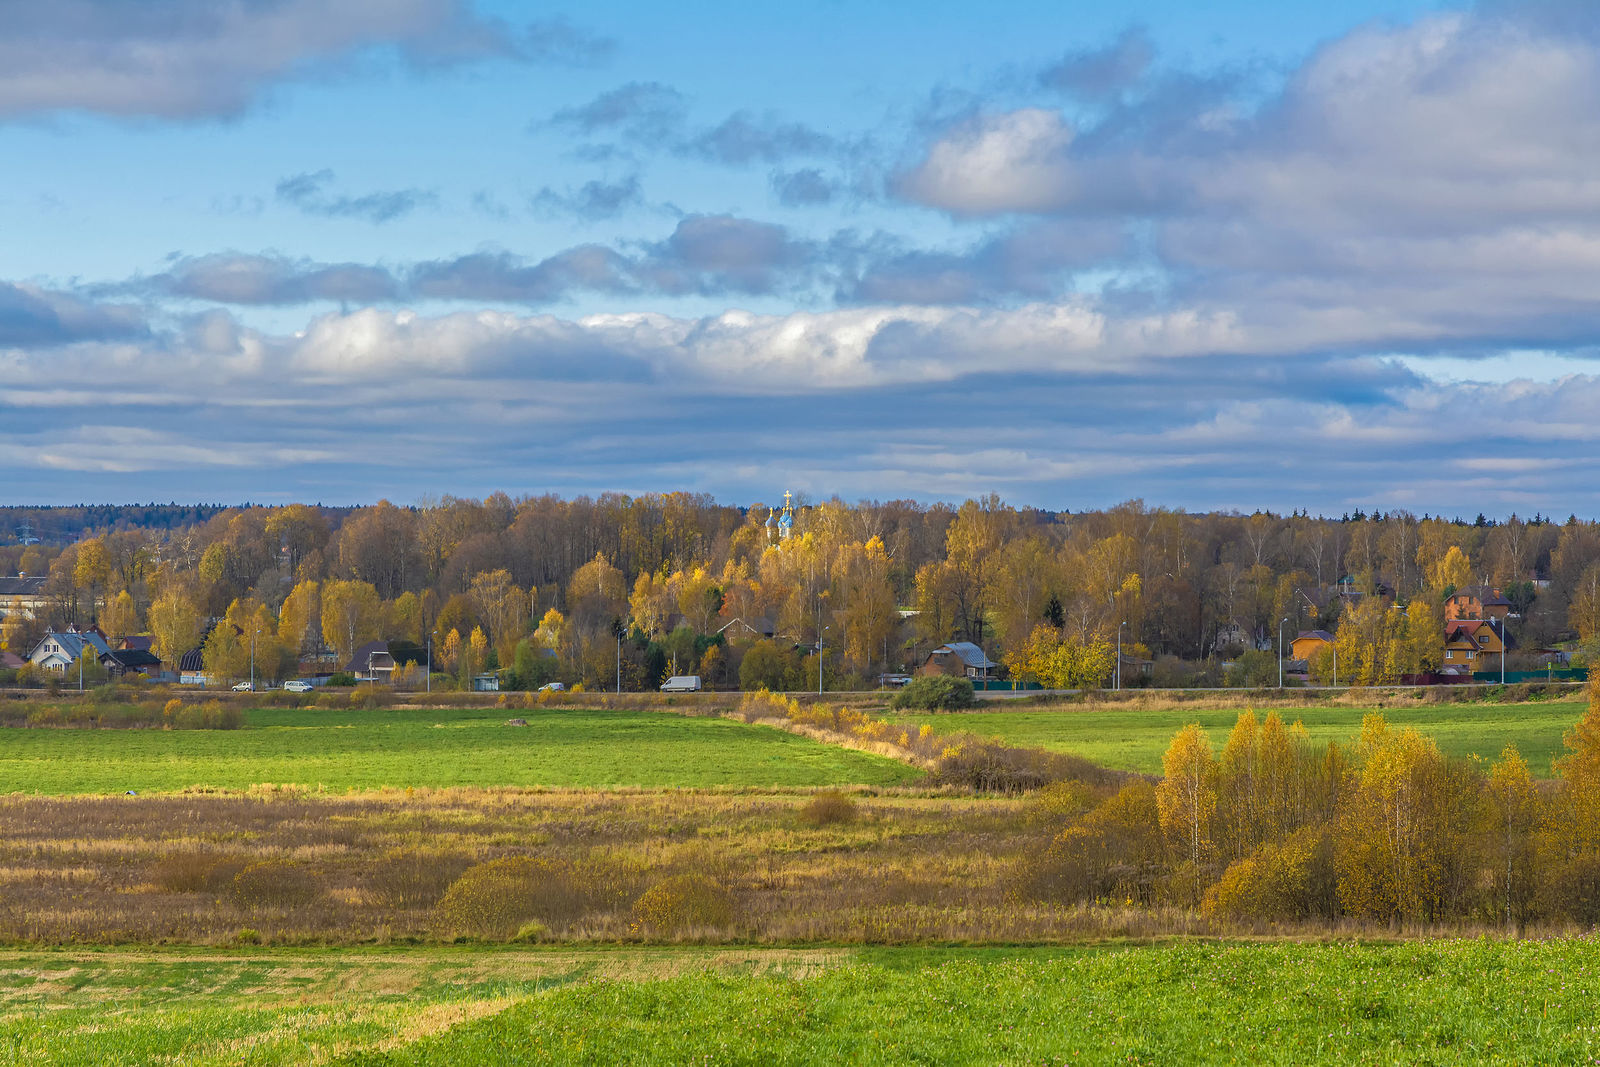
679	582
1275	829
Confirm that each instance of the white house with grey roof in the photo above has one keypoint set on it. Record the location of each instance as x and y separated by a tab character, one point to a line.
59	651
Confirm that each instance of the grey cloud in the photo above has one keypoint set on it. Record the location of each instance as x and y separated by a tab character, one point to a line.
654	117
406	401
309	192
807	187
592	200
643	111
239	278
196	58
1095	74
503	277
1425	187
743	138
704	255
33	317
1030	260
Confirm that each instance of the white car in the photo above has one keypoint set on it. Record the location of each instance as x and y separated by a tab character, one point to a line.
553	687
245	687
297	685
682	683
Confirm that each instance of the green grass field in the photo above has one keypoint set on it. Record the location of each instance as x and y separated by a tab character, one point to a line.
344	750
1287	1003
1135	740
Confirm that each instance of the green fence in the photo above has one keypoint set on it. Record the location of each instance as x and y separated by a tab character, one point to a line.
986	685
1551	674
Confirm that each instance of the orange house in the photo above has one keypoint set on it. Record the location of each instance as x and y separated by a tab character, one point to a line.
1309	642
1469	644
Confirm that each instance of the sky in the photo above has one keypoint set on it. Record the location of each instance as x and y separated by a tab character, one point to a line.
1228	256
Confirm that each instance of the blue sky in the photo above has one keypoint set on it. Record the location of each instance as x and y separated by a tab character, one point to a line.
1217	256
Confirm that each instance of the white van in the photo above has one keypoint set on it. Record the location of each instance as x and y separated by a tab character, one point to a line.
682	683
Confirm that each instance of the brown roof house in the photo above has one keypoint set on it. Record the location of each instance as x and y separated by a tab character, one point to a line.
1471	645
1476	602
958	659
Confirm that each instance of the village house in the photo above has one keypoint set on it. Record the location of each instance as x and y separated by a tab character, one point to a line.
1476	602
958	659
1308	643
372	662
22	593
1472	644
59	651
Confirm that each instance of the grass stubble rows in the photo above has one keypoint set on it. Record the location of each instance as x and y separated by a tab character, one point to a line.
362	960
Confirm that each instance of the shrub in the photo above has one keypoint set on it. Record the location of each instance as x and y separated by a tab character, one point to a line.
212	715
1115	851
196	872
826	809
497	898
1293	879
274	884
989	766
344	678
415	878
935	693
687	901
370	697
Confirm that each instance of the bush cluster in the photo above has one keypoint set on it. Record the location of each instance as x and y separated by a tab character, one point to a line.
414	878
935	693
496	899
277	883
1274	829
682	903
828	809
95	713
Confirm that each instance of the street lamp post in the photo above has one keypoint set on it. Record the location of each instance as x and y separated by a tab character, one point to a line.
253	635
820	632
1335	665
1280	650
1116	676
429	680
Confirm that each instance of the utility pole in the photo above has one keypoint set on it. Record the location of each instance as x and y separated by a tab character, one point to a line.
1116	677
1280	650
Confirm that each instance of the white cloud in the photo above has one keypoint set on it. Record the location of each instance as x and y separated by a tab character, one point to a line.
995	164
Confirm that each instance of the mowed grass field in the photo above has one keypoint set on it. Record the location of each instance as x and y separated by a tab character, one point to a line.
1134	740
1286	1003
354	750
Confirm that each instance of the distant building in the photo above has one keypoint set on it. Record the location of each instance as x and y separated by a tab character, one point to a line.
1476	602
22	593
58	651
372	663
1309	642
1472	644
958	659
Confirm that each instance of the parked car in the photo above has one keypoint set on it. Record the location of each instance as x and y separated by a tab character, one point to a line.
682	683
297	685
553	687
244	687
